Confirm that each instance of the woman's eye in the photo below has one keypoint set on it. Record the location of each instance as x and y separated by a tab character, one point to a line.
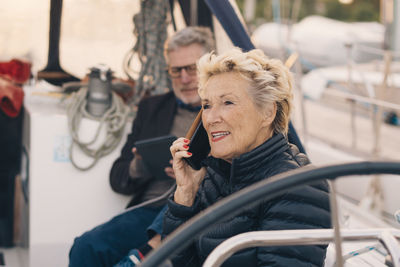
228	102
206	106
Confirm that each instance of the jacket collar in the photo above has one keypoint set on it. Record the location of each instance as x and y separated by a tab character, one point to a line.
243	169
261	154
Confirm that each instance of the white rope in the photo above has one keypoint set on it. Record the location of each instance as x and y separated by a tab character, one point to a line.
113	120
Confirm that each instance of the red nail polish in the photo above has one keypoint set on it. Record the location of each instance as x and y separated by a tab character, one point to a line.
186	140
189	153
185	146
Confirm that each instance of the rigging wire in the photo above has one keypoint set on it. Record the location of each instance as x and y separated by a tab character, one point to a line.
150	29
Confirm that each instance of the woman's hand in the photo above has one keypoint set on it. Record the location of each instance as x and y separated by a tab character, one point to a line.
187	179
169	170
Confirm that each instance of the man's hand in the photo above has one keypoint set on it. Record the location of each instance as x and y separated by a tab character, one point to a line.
137	155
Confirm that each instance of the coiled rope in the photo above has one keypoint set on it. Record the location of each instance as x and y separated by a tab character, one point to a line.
113	120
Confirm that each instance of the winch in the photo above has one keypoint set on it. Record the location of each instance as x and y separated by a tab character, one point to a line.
99	95
96	101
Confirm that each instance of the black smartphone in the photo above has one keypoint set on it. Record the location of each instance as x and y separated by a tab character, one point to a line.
199	145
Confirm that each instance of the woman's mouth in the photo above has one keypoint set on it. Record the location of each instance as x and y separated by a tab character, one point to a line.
216	136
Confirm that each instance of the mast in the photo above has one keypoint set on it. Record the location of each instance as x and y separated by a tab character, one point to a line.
390	10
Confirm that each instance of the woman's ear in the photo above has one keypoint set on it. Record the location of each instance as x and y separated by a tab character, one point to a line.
270	113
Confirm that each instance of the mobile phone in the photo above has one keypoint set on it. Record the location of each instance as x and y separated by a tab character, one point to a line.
199	145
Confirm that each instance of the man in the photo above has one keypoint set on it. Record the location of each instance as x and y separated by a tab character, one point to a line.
170	113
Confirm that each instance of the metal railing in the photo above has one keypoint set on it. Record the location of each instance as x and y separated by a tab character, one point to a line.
377	100
376	95
266	190
302	237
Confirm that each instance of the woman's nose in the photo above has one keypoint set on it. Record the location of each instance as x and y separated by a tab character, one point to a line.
212	116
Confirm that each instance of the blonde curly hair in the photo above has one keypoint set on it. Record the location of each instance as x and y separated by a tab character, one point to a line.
271	82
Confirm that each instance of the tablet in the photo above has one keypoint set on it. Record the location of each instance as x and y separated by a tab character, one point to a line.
156	154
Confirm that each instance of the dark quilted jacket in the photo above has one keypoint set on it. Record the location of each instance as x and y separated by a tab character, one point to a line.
303	208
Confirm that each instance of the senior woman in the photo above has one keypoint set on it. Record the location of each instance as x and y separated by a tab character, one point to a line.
246	99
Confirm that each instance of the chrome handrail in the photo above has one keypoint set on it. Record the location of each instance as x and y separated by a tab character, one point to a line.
335	223
374	50
261	191
302	237
368	100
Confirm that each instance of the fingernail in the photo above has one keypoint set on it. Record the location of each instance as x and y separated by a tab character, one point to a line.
185	146
186	140
189	153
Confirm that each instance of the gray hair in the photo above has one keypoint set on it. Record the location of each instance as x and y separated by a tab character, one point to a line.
190	35
271	82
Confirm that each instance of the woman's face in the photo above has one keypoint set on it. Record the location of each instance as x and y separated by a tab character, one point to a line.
233	123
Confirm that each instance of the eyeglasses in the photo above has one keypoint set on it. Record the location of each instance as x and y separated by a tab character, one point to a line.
175	72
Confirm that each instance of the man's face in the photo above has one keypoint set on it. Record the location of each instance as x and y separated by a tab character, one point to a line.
184	79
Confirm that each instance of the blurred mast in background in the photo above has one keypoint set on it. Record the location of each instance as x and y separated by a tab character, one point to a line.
390	10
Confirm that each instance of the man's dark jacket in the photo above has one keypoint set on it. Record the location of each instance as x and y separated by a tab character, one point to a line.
303	208
154	118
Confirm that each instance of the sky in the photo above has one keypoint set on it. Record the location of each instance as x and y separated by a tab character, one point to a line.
93	32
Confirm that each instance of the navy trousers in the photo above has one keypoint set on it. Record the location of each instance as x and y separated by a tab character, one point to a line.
107	244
